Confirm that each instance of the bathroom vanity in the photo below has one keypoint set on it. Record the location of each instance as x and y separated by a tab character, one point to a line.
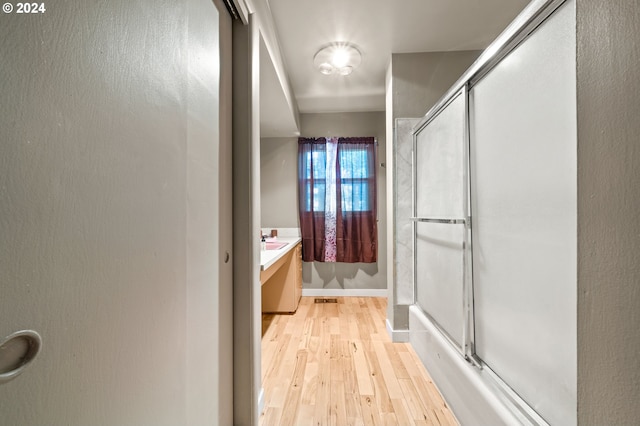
281	274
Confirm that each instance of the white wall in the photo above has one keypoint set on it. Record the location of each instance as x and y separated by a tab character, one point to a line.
108	182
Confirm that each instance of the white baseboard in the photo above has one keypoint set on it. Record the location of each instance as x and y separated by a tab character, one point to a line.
344	292
261	401
397	336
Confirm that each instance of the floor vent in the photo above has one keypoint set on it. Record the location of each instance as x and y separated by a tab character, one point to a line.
323	300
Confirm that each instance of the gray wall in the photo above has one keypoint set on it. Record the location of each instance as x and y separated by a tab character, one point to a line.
279	195
420	79
246	223
608	204
209	216
223	311
109	195
278	182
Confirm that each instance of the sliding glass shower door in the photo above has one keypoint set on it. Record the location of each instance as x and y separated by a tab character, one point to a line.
523	113
503	151
440	212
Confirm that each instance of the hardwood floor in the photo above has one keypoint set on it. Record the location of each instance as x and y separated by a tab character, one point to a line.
334	364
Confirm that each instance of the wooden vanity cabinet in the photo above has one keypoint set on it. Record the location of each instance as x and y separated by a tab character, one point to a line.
282	283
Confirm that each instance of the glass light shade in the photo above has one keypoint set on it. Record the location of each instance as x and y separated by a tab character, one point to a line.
326	68
337	58
345	70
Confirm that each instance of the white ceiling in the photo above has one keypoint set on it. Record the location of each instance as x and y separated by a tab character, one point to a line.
378	28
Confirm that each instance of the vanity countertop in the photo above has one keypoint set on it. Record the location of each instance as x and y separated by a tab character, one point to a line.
269	257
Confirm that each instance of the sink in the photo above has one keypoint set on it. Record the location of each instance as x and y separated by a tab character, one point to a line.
274	245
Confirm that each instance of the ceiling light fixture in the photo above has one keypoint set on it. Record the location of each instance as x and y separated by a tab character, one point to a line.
337	58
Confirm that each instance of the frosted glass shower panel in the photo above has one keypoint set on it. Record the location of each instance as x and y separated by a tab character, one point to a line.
440	194
439	163
523	174
439	275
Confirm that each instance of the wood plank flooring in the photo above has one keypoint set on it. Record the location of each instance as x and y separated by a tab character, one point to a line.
334	364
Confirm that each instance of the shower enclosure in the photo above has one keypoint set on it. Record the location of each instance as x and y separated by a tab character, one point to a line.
494	224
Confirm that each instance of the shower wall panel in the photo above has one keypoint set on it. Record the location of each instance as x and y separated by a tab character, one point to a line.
403	210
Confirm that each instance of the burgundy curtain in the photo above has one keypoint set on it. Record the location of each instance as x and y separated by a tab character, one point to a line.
311	174
357	227
354	232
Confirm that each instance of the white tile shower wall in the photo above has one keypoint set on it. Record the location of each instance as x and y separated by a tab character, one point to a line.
403	210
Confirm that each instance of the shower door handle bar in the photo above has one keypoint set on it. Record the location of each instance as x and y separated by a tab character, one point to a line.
439	220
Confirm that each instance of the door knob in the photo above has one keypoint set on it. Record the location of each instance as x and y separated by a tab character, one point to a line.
17	351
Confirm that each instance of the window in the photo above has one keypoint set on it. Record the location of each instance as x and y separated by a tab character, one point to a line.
337	199
314	162
353	180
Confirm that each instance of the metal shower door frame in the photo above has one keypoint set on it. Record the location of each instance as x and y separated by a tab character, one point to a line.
467	349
